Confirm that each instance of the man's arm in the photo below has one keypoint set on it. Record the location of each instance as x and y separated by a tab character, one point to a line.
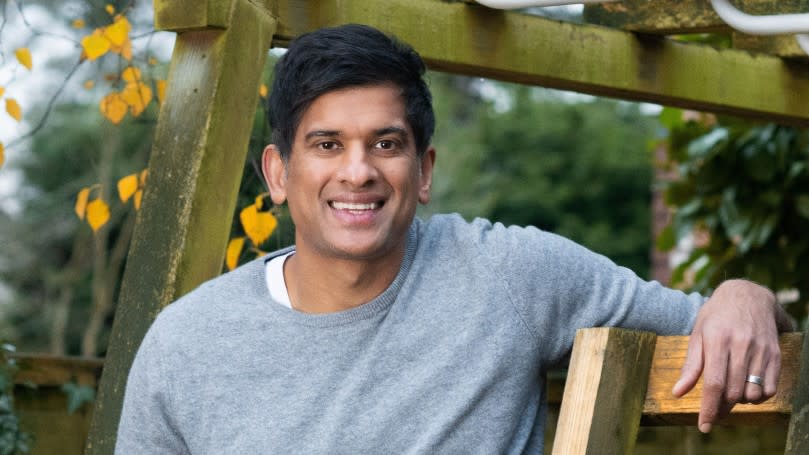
735	335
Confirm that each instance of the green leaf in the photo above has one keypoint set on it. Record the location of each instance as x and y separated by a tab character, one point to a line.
671	117
802	205
708	144
77	395
666	240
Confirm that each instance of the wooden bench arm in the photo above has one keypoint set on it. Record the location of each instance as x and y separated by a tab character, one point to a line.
618	378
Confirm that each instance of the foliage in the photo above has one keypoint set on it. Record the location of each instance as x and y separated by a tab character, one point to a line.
13	440
745	188
578	167
61	270
77	395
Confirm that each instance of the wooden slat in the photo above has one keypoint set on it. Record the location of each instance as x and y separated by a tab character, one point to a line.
475	40
781	45
47	370
194	172
661	408
673	17
680	16
603	397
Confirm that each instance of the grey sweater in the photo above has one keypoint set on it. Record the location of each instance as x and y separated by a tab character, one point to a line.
451	358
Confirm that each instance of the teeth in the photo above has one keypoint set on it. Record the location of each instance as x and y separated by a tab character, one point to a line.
350	206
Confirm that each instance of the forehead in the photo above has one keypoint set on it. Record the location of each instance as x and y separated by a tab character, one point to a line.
355	109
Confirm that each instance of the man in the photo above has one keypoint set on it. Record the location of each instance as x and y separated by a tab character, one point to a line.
381	333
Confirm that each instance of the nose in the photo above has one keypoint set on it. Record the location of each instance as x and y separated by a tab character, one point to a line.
357	167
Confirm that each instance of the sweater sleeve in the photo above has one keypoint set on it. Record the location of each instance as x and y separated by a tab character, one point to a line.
558	286
147	424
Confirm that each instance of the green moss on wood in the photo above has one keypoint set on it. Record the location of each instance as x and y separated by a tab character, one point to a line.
475	40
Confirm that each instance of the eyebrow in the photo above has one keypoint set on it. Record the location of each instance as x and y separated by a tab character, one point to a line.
391	130
321	133
378	132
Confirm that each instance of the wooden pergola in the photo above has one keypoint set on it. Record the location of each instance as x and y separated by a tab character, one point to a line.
221	48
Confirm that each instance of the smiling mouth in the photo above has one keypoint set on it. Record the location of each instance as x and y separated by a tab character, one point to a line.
355	207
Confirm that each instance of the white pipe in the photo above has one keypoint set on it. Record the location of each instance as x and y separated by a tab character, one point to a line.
761	25
514	4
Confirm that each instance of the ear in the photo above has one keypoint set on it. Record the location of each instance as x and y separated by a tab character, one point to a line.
426	179
274	171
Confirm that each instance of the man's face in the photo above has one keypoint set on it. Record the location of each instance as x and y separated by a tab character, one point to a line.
353	179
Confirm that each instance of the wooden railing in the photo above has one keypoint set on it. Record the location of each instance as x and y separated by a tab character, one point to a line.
619	379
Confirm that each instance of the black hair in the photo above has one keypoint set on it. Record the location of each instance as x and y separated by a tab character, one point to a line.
347	56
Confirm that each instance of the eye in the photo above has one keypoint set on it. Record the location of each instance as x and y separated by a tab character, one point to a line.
327	145
386	144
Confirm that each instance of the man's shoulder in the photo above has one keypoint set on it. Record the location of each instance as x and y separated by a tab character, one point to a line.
479	232
231	293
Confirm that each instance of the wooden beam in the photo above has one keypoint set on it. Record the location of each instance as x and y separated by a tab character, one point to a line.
798	436
194	173
183	15
603	397
49	370
661	408
673	17
680	16
781	45
475	40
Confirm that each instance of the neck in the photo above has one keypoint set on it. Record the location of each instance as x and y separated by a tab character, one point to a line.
318	284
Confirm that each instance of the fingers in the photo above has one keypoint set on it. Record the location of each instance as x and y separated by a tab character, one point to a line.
738	366
691	369
714	379
754	393
771	374
766	364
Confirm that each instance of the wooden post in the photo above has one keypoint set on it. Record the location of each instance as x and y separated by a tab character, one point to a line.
194	172
798	436
605	390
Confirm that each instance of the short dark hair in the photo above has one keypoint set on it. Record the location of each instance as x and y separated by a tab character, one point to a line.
347	56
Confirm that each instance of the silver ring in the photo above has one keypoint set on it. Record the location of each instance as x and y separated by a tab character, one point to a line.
754	379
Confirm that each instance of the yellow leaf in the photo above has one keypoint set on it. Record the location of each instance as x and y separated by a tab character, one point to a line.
257	225
262	91
113	107
127	187
13	109
110	9
161	91
95	45
89	84
131	74
2	154
152	61
137	96
118	32
78	23
259	202
98	213
138	199
125	50
24	57
234	251
143	174
2	91
81	202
